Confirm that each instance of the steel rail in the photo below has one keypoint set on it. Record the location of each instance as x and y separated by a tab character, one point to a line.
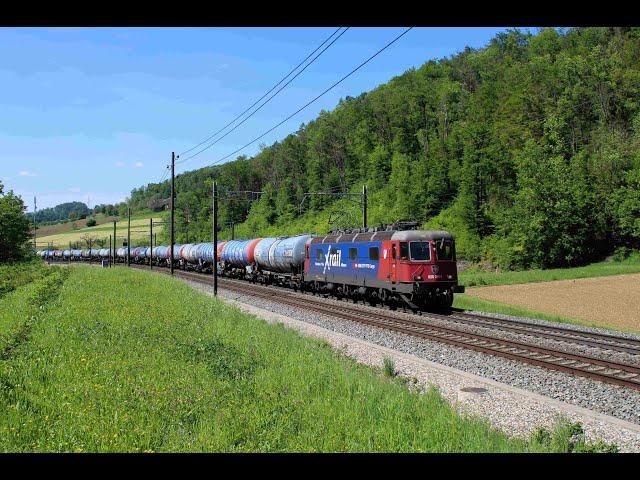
600	340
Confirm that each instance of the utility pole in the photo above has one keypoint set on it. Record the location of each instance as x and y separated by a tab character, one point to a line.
90	241
364	206
151	242
129	237
215	239
35	222
114	241
110	250
173	194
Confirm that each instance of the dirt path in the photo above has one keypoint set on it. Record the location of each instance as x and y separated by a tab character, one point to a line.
608	301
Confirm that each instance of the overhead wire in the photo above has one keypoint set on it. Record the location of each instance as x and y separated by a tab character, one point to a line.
270	90
316	98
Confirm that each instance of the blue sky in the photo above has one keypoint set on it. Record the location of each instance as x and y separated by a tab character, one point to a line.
90	113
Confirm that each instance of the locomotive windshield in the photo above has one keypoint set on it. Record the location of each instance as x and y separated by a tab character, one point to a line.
420	251
444	250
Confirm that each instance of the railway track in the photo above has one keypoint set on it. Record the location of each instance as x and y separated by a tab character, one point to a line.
592	339
606	371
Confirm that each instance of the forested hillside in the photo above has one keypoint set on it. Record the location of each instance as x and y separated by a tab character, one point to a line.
62	212
527	150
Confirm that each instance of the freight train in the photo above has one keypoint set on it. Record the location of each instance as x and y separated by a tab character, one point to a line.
395	265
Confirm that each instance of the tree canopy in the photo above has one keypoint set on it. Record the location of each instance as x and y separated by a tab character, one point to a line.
14	227
527	150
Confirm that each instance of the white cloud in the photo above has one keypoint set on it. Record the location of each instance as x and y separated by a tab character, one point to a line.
26	173
119	164
138	164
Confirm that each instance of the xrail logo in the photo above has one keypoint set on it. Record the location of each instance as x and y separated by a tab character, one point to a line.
332	260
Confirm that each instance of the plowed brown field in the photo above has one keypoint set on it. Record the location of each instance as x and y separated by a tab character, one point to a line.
610	301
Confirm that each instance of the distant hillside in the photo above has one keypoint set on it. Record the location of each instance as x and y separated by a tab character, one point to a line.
62	212
74	234
527	150
62	227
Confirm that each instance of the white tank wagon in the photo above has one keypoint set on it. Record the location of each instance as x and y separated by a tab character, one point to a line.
280	260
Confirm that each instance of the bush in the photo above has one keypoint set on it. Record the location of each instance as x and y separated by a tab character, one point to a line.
621	253
389	367
568	437
91	222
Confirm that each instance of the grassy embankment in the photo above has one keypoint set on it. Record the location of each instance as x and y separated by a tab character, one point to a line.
139	232
94	364
477	278
15	275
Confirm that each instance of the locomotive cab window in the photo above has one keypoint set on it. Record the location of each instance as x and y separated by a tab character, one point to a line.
420	251
319	255
444	250
353	254
374	253
404	251
393	251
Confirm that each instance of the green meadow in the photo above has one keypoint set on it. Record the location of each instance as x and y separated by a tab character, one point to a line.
119	360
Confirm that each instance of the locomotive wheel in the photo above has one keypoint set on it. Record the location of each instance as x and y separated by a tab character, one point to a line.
445	301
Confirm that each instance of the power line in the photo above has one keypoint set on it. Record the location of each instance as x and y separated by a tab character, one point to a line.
316	98
164	175
272	89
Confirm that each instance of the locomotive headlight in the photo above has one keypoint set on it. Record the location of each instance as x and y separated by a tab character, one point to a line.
418	277
435	268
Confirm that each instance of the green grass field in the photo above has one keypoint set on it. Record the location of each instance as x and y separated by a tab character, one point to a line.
68	226
118	360
476	278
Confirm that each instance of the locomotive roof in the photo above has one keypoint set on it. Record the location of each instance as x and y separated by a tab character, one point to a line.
407	235
421	235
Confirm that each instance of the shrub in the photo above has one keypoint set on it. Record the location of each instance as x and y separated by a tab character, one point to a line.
389	367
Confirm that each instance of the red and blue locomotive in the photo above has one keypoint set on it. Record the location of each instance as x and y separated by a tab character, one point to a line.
395	265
